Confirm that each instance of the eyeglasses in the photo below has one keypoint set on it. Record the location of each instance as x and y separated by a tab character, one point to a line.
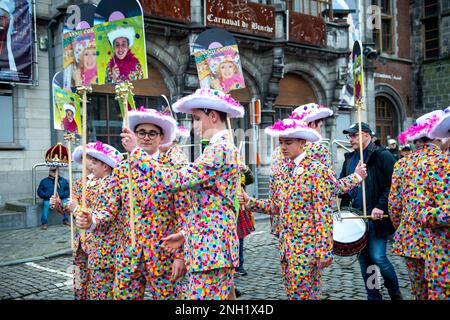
151	134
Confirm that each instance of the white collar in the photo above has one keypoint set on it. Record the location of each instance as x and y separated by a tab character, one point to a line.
299	158
155	156
218	135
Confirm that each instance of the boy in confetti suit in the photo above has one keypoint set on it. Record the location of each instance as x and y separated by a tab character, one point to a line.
411	240
157	213
82	241
433	181
102	243
313	115
209	235
305	212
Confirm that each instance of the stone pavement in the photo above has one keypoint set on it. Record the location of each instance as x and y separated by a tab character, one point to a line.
37	277
33	244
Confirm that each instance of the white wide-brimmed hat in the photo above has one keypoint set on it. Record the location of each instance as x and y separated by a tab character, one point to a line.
295	129
99	150
442	129
128	33
152	116
69	107
422	127
210	99
312	111
181	132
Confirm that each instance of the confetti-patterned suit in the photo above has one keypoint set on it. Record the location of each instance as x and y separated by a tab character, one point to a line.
82	241
305	214
101	257
211	244
410	239
156	215
314	152
433	196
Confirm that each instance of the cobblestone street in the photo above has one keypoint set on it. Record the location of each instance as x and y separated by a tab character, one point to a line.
51	278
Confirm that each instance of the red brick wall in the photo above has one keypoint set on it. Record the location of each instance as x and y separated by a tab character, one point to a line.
403	86
403	29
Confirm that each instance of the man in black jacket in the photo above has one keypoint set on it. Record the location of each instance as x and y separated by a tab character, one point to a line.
380	163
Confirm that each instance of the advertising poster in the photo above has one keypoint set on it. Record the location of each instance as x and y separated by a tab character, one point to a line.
16	41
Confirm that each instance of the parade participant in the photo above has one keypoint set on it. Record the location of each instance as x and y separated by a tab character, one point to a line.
314	115
245	220
157	214
173	150
305	212
410	239
433	196
209	236
102	243
82	244
380	163
123	65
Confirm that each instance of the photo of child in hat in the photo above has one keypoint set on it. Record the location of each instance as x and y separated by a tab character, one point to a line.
228	74
123	65
69	123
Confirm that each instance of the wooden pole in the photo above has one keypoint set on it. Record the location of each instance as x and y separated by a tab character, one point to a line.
130	177
361	217
55	187
232	295
69	151
84	158
361	152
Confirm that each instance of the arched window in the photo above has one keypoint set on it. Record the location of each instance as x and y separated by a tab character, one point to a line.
294	91
386	119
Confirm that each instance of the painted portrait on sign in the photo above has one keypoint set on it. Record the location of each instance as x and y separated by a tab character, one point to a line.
66	110
121	50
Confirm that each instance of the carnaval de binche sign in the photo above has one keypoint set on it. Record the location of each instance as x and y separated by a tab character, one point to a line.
241	16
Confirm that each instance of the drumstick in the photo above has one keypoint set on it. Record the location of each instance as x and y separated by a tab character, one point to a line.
362	217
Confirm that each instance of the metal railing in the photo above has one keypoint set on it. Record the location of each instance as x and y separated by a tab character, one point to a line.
341	144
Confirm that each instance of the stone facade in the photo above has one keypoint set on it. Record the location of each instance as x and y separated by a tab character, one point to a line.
431	76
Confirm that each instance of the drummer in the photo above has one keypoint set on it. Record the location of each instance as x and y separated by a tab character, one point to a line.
380	163
305	212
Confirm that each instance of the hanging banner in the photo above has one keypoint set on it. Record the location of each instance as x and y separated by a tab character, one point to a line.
66	107
357	58
120	42
218	62
16	41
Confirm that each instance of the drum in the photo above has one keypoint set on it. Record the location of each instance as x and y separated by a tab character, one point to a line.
349	235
